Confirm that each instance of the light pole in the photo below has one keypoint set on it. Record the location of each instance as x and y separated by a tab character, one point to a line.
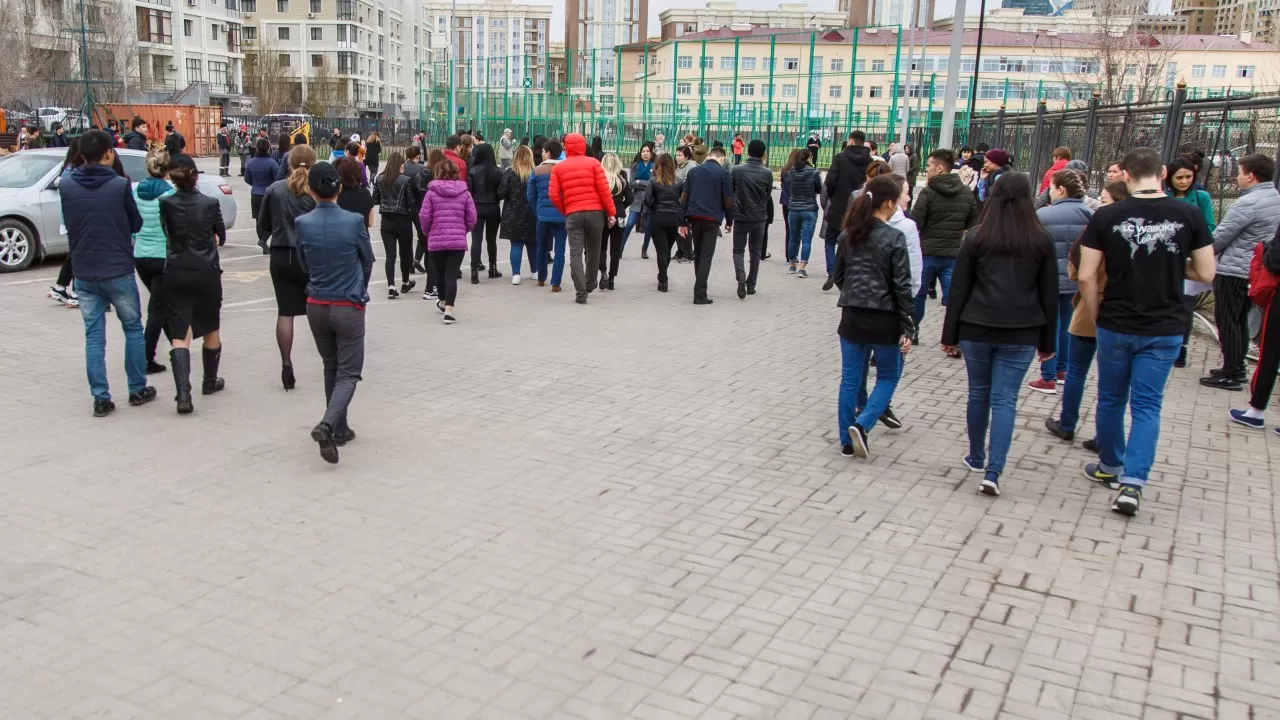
453	71
945	138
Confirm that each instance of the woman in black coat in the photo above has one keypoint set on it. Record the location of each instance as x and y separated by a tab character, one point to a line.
483	178
518	222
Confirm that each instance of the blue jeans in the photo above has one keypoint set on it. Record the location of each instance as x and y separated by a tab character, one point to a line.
853	371
121	293
1132	371
1081	351
800	226
995	377
518	248
934	267
833	234
866	371
632	218
1049	369
547	232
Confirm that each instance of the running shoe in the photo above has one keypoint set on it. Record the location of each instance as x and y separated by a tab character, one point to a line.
1127	500
64	296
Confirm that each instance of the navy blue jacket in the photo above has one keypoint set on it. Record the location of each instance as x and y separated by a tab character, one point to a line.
260	172
101	217
708	191
333	245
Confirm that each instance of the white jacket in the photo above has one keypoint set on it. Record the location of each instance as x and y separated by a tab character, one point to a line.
908	228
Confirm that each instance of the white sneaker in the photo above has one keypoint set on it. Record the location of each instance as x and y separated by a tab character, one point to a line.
515	279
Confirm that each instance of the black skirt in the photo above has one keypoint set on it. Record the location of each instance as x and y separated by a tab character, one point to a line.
192	301
290	282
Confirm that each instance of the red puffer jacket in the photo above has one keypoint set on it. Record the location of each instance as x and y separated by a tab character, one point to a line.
578	183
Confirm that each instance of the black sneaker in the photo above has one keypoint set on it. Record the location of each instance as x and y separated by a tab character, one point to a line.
830	283
1091	445
323	435
846	450
392	294
1181	362
408	287
751	289
859	437
418	268
143	396
644	254
1094	472
103	408
1223	382
1055	429
890	420
742	290
154	367
343	436
990	485
581	298
1127	500
702	301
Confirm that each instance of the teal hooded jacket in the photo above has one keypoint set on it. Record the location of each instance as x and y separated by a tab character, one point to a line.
149	242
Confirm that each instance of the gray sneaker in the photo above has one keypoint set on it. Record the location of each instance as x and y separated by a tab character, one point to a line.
802	273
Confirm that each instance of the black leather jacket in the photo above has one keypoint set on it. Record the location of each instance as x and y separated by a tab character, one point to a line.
193	229
280	207
876	275
664	199
752	191
397	202
483	183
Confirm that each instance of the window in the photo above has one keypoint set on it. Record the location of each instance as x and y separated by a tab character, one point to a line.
790	63
250	32
788	90
186	28
877	91
155	26
317	61
283	59
837	64
747	88
990	91
282	6
317	33
684	62
726	63
249	6
317	6
1244	71
857	91
748	63
860	66
282	33
218	73
726	89
835	91
1197	71
704	88
1130	69
383	23
877	66
213	29
1219	71
684	88
873	118
706	63
193	71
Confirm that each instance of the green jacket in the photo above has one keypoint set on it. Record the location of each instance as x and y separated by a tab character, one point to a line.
1200	199
149	242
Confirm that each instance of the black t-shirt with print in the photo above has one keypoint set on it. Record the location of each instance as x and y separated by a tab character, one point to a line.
1146	243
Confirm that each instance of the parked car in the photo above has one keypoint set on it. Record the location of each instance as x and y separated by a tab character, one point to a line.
73	121
31	209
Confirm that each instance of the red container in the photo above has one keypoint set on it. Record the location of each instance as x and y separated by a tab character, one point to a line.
197	123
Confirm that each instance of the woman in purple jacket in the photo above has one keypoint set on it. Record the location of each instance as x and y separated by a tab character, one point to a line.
448	214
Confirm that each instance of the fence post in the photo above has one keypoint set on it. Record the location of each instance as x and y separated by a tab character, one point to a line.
999	141
1091	129
1173	124
1036	139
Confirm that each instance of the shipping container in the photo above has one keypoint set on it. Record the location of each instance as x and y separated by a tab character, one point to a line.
198	124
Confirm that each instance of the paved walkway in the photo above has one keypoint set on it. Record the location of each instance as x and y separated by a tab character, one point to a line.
633	509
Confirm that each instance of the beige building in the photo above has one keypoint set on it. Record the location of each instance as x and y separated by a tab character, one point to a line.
1230	17
678	22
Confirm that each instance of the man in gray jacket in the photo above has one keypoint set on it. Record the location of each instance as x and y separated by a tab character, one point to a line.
1251	220
752	195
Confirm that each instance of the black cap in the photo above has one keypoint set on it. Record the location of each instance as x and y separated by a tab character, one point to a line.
323	180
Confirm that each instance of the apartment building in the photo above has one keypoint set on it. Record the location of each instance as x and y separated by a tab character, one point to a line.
678	22
1256	18
499	44
604	24
190	51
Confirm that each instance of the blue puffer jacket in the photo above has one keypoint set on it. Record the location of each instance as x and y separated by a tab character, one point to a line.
539	194
150	241
260	172
101	217
1065	220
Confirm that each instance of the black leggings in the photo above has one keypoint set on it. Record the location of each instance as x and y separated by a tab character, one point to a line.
151	273
447	264
397	231
64	273
665	228
611	247
487	222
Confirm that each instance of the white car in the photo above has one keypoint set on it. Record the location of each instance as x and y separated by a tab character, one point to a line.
31	209
72	120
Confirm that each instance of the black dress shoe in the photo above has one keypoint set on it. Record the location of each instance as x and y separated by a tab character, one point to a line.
286	377
742	290
1091	445
1055	429
702	301
662	286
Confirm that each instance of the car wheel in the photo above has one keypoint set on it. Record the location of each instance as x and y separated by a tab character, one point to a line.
18	245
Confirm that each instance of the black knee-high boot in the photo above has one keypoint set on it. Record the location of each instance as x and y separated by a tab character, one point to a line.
180	360
212	383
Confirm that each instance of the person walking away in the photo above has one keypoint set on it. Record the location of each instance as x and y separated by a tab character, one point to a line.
1064	219
192	281
413	166
913	171
847	173
483	180
518	223
1150	244
284	202
708	195
665	209
581	192
150	249
899	161
1180	181
281	155
738	147
784	200
1004	294
225	144
804	187
873	272
61	291
1250	220
611	234
244	148
1061	156
334	245
506	148
419	184
1264	375
945	211
101	218
1082	344
550	227
352	197
373	154
641	172
260	173
597	148
752	196
136	139
448	214
391	195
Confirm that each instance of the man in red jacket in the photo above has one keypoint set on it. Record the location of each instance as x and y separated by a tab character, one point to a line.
451	145
580	191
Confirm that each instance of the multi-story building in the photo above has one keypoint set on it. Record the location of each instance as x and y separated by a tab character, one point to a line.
498	43
1071	21
190	51
1230	17
1037	7
604	24
678	22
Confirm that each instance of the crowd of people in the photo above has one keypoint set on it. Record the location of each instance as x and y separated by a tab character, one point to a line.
1028	269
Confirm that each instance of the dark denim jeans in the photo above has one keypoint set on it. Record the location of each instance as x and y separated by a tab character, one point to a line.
122	294
632	218
1081	351
995	377
1132	372
547	232
1060	363
935	267
800	226
853	375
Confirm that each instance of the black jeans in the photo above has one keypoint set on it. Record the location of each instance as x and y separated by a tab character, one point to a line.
255	205
397	232
1189	305
151	273
748	238
64	273
487	222
1264	375
664	229
611	247
1231	311
339	334
704	234
447	264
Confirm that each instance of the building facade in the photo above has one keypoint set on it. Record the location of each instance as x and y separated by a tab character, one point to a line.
604	24
678	22
191	51
498	44
1077	20
1230	17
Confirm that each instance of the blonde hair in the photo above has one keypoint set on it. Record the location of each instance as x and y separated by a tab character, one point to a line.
613	170
522	163
157	162
301	159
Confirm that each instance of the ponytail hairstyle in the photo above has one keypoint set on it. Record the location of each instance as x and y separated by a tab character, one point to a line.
182	177
877	168
157	162
885	189
1070	181
301	160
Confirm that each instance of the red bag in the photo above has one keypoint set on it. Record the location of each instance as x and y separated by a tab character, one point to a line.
1262	282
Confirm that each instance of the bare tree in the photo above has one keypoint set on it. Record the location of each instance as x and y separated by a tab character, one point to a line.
37	52
270	80
113	50
1125	64
326	92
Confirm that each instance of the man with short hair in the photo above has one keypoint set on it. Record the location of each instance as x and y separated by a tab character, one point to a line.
1149	244
506	148
101	216
136	139
451	145
945	210
224	150
1250	220
848	172
708	194
752	197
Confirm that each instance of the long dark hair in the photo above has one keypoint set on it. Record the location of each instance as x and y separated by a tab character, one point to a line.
1009	222
74	159
597	147
1176	164
858	218
262	148
283	142
349	174
482	157
664	170
395	165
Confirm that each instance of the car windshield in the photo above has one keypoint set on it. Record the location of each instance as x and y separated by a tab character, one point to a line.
24	169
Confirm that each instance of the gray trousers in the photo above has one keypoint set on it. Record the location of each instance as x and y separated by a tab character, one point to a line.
748	236
339	334
583	230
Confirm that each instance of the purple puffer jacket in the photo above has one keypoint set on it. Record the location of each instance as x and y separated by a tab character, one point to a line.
448	212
